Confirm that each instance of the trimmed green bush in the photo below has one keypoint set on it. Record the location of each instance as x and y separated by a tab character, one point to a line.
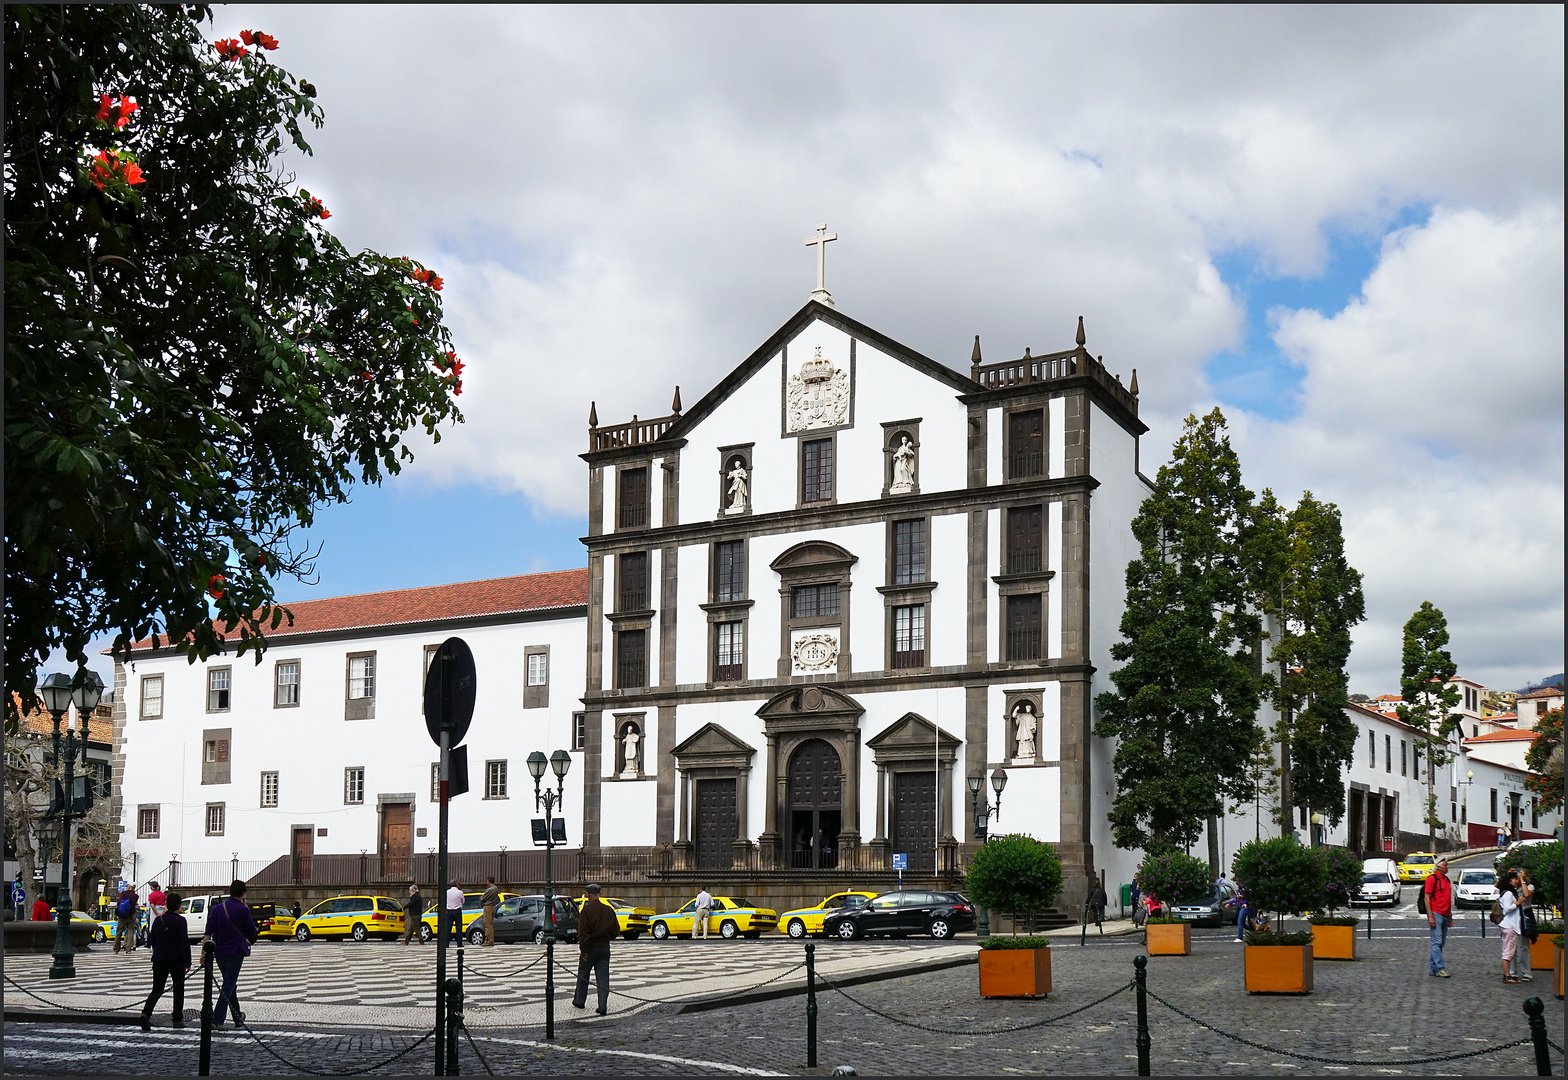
1016	874
1335	920
1277	937
1174	877
1016	943
1279	875
1162	920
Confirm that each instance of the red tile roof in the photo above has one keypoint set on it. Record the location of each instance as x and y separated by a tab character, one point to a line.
432	603
100	727
1504	736
1542	692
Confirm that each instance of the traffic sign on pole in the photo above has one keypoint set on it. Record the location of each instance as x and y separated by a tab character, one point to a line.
449	691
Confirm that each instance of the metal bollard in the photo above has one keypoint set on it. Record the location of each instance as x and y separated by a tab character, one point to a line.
1369	921
454	1023
460	962
1543	1057
1140	976
811	1006
1483	915
204	1061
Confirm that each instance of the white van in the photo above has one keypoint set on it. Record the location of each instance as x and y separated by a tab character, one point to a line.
1380	883
195	909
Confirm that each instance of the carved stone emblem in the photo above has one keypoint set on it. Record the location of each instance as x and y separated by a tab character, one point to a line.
818	395
815	652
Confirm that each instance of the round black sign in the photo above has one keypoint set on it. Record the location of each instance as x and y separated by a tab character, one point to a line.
449	691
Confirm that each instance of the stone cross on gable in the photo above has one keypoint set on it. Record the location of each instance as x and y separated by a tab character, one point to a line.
820	293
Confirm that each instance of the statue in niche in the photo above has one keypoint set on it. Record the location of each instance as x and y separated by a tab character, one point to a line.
903	468
738	487
629	740
1024	727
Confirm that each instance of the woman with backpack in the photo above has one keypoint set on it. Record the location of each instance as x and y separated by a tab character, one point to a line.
171	958
1511	923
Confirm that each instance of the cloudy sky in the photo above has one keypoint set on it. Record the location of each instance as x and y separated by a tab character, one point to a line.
1344	226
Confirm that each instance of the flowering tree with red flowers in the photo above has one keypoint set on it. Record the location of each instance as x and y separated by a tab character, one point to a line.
194	364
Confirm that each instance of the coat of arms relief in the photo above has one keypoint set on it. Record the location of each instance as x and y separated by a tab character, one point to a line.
818	395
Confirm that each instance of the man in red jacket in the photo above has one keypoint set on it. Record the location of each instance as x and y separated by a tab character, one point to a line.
1438	892
40	910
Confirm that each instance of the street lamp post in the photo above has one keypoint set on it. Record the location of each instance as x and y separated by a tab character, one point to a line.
559	762
983	815
59	692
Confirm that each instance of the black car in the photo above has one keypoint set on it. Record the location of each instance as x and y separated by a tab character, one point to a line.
898	914
1220	908
522	918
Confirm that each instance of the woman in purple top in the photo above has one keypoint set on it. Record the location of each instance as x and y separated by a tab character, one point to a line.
171	958
231	929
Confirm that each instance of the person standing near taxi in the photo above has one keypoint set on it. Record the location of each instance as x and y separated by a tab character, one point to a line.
596	925
412	910
490	901
1438	893
157	900
125	920
452	916
699	920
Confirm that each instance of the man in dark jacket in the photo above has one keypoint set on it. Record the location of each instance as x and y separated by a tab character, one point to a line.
596	925
231	929
171	958
490	901
413	909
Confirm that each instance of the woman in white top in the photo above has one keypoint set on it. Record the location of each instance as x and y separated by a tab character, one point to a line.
1508	900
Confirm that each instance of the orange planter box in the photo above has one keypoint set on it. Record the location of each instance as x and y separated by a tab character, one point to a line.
1543	954
1559	979
1169	939
1333	943
1015	972
1278	969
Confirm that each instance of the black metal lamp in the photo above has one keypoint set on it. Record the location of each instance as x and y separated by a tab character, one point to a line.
560	761
536	764
56	693
975	780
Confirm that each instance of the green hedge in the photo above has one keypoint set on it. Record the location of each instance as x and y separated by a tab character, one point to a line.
1544	864
1280	875
1014	873
1016	943
1174	877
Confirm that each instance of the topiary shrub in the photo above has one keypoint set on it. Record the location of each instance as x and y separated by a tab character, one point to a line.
1341	882
1280	876
1015	873
1174	877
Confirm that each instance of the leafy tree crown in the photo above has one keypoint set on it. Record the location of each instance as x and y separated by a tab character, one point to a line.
1014	873
1173	876
1280	875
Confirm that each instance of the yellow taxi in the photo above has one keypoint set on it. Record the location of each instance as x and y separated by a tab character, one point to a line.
730	916
633	919
275	925
472	909
357	917
803	921
1417	865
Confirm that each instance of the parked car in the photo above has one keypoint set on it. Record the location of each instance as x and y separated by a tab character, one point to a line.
472	909
1476	889
634	920
1219	908
522	918
899	914
803	921
1379	886
274	925
1417	865
730	916
358	917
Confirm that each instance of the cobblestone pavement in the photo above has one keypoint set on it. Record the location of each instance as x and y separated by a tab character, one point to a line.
1378	1009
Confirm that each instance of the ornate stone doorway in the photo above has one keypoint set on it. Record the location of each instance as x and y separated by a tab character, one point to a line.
816	793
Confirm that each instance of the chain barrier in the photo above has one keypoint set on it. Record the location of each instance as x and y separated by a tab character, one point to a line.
475	1047
1554	1046
239	1018
961	1031
75	1008
666	1001
1339	1061
472	970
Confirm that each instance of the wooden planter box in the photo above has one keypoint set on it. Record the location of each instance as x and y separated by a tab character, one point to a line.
1169	939
1559	974
1015	972
1333	943
1543	954
1278	969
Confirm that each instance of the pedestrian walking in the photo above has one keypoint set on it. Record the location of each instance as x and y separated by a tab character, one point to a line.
490	901
1437	894
699	920
41	914
452	916
1136	901
412	911
596	925
171	960
1241	920
1098	900
296	911
1502	837
1527	929
157	900
125	919
231	929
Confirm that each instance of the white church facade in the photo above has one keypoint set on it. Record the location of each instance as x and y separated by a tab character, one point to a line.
845	581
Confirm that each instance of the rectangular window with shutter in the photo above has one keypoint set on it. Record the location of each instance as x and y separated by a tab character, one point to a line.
634	581
729	651
152	697
215	754
816	471
631	659
729	571
1493	792
633	512
218	689
1025	539
1025	629
1025	444
361	687
909	552
536	680
1372	747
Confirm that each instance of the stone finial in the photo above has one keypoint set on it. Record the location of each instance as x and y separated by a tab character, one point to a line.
1133	387
1026	352
974	357
675	406
593	414
1080	338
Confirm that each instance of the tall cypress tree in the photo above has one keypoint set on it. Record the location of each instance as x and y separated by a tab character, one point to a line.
1186	698
1426	684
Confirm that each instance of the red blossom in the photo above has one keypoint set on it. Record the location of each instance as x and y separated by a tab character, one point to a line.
108	167
256	37
116	109
427	277
230	49
313	208
457	368
215	586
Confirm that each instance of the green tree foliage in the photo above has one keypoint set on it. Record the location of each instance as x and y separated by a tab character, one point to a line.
1174	877
1544	759
1426	685
1544	864
1185	700
1014	873
1280	875
1341	877
193	363
1315	595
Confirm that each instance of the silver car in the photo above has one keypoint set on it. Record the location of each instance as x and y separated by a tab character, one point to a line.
1476	889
